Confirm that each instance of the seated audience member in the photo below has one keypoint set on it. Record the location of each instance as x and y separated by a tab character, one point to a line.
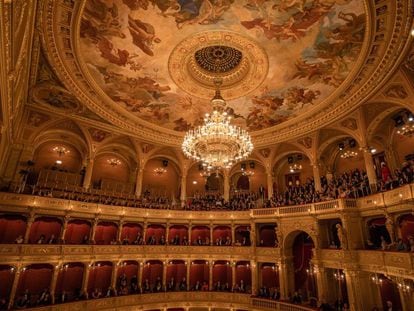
204	287
24	301
52	239
44	298
146	288
183	285
41	239
171	284
197	286
19	240
96	293
401	246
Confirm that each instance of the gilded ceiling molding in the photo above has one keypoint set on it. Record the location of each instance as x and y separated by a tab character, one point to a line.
381	55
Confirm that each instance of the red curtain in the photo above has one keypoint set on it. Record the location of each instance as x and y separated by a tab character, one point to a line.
11	226
35	278
270	277
244	273
221	232
105	232
181	231
152	270
155	230
130	231
100	277
407	227
70	278
199	272
268	235
76	230
46	226
302	254
200	231
177	270
6	278
222	273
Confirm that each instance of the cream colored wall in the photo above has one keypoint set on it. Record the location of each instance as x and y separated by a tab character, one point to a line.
346	165
167	184
305	173
45	157
103	170
403	145
193	175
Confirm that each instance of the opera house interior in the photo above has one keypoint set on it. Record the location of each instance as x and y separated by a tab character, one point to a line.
207	155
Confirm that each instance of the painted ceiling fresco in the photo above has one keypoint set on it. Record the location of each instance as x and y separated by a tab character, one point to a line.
311	45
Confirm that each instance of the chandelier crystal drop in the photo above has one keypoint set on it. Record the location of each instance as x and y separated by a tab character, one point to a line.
217	143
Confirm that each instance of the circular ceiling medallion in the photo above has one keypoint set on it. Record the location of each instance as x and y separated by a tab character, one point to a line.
199	59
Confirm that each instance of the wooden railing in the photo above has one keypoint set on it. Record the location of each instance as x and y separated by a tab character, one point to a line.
385	199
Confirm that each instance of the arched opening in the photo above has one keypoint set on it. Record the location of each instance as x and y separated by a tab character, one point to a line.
45	230
152	276
200	235
7	275
389	293
31	291
215	183
12	228
243	183
406	226
377	233
178	235
242	236
77	231
267	235
222	276
199	275
269	281
176	275
243	282
155	235
69	282
222	236
99	279
127	278
131	233
106	233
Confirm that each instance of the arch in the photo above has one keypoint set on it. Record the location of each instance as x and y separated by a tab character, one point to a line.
12	227
78	231
69	281
45	230
7	275
100	276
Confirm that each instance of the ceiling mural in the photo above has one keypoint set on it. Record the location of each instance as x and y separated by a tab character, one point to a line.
311	47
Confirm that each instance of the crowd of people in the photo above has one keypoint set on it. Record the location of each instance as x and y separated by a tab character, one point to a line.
239	201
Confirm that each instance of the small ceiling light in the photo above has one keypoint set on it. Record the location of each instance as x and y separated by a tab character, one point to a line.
114	161
373	150
412	32
194	182
58	162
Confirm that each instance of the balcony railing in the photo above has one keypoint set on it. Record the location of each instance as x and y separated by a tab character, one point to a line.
278	305
385	199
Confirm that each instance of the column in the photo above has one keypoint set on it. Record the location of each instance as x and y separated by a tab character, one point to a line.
269	185
188	274
369	166
54	281
210	274
14	286
93	231
115	265
164	275
253	234
183	195
285	276
226	181
85	277
406	299
88	174
354	289
144	234
254	277
317	176
190	227
233	233
138	183
63	232
321	283
167	233
140	273
30	222
119	233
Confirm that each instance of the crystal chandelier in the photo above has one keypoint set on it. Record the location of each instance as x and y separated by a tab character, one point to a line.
407	128
295	167
61	150
217	143
160	170
114	161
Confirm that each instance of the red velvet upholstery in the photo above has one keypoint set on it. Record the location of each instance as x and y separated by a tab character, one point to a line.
269	276
46	226
221	232
130	231
199	271
11	226
181	231
35	278
105	232
268	235
176	269
100	276
389	291
222	273
70	278
200	231
6	280
407	227
244	273
152	270
76	230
